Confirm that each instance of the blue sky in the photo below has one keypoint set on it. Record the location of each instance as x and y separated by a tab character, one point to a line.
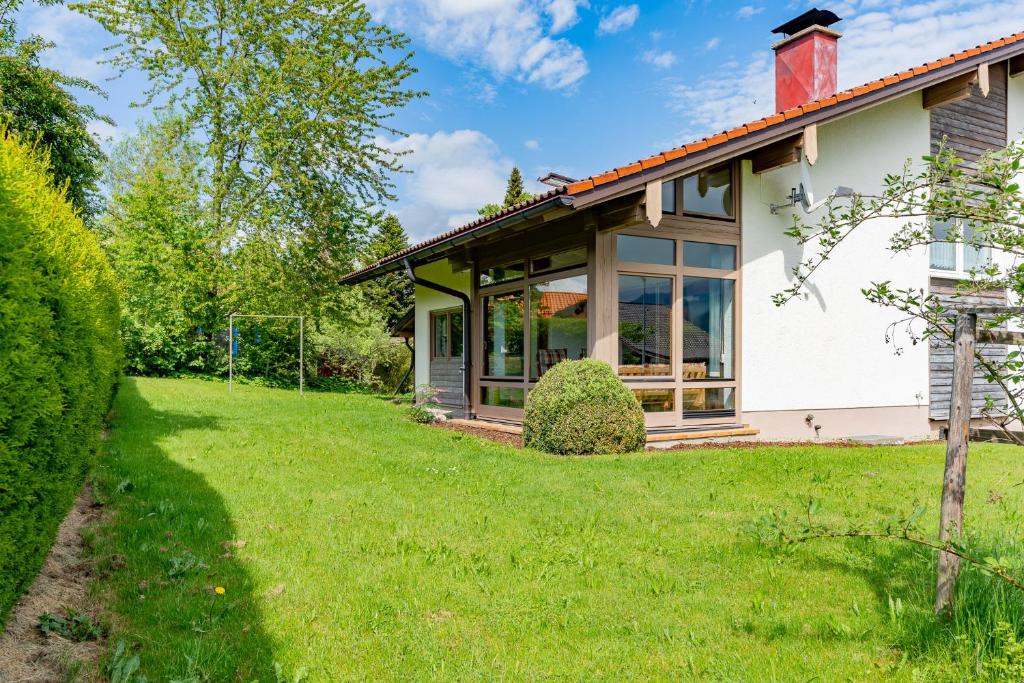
575	86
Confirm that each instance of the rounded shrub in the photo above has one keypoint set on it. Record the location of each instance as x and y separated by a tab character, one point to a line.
579	407
60	358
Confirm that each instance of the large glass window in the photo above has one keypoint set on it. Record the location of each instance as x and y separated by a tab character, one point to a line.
668	196
709	193
558	322
656	400
707	255
502	397
645	325
633	249
563	259
503	335
498	274
708	334
700	400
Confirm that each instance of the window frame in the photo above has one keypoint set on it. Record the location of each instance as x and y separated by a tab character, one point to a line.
523	286
959	271
446	313
678	273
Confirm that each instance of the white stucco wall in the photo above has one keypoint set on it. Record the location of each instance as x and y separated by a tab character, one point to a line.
827	349
428	300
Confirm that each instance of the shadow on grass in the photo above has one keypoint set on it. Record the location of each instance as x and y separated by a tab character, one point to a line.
164	547
903	577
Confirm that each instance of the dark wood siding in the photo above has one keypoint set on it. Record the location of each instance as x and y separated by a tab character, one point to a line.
974	125
971	127
446	377
940	357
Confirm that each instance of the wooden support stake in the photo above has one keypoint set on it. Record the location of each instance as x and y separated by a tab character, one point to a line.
951	515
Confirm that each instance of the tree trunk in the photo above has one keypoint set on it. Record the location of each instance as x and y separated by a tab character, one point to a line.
951	516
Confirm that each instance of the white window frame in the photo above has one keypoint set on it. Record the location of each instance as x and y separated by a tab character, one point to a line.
960	247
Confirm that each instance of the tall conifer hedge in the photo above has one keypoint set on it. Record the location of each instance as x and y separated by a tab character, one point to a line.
60	357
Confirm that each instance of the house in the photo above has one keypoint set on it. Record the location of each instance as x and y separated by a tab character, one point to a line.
665	267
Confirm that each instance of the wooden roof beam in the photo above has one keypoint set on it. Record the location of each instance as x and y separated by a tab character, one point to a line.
777	154
956	89
1016	66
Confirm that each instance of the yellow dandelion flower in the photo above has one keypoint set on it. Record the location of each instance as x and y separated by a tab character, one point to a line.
219	590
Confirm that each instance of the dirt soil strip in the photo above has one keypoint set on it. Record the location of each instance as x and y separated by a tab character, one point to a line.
26	655
504	438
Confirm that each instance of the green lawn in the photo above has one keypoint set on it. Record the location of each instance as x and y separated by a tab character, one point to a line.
377	549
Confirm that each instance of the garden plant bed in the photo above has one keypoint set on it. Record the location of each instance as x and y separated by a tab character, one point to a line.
353	544
503	437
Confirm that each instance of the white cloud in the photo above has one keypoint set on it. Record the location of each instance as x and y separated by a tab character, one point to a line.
875	42
75	52
712	43
659	60
748	11
506	37
532	145
453	175
619	19
563	13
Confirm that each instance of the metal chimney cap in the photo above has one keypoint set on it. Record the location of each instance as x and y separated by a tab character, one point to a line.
812	17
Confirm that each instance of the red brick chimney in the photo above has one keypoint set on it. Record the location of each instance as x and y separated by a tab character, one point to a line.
806	59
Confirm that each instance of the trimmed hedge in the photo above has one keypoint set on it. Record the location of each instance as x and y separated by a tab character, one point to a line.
580	407
60	358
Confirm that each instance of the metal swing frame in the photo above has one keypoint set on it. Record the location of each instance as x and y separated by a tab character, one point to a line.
231	345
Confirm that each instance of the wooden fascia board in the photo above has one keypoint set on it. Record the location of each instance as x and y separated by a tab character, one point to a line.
752	141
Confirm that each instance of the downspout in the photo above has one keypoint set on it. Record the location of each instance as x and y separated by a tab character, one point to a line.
412	366
467	329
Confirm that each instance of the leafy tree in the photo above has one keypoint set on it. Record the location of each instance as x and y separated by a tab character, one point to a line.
515	192
290	99
163	251
37	103
391	294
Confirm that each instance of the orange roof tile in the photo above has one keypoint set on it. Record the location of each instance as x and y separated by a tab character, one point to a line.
629	169
651	162
602	178
676	153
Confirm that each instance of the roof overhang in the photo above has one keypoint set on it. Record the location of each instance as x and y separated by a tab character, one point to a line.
439	246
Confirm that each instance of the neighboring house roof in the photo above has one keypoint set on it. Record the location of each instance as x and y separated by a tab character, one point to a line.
759	132
558	304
